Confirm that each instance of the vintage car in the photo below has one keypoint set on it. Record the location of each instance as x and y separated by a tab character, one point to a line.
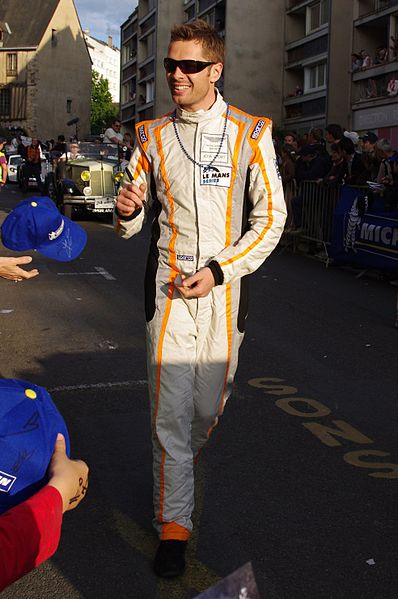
24	177
14	160
86	178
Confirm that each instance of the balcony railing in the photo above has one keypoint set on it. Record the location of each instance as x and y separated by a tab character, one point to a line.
308	50
378	6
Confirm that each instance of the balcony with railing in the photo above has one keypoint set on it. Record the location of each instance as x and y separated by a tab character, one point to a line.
372	9
376	89
312	109
308	50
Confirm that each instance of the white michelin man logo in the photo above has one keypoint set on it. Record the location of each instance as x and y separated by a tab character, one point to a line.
353	225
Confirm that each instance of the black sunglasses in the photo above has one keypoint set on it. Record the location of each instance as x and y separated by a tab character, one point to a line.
186	66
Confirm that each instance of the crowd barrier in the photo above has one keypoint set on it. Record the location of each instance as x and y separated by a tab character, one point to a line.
319	204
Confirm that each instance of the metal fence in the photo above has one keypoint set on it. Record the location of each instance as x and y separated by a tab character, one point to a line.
319	203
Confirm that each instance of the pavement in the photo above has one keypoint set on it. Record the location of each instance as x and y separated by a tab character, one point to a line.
300	477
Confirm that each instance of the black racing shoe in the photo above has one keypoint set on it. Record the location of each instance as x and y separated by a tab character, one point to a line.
170	558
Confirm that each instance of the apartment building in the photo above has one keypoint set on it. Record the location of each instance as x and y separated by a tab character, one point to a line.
287	59
254	67
106	61
316	84
375	89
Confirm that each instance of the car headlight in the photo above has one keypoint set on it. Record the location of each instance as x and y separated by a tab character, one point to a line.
118	176
88	191
85	176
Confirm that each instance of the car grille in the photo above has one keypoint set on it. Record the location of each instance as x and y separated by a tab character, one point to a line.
101	182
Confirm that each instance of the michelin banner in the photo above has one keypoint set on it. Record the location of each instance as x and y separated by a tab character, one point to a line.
364	234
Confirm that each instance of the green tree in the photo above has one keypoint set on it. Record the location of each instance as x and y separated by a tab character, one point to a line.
102	108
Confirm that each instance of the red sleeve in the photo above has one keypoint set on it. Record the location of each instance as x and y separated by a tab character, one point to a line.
29	534
3	160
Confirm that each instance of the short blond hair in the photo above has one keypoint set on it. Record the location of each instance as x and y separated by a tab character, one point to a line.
200	31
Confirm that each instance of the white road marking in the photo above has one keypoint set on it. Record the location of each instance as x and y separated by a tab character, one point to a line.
99	270
6	311
138	383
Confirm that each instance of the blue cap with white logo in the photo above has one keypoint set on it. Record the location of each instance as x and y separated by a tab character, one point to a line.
29	424
37	224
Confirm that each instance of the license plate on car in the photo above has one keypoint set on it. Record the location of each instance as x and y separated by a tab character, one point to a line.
104	204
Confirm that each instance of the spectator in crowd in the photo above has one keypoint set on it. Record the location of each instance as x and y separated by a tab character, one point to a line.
10	269
381	55
60	145
128	144
33	162
367	61
310	166
356	62
384	153
21	148
291	139
112	135
338	171
3	163
318	144
333	133
73	152
369	157
353	136
356	170
288	174
30	532
391	191
371	88
394	47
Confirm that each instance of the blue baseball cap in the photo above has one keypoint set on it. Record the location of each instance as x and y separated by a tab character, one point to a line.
29	424
37	224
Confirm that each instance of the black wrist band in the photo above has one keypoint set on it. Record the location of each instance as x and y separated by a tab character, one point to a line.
217	272
131	217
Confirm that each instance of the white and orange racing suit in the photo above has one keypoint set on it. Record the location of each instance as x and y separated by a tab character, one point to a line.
227	212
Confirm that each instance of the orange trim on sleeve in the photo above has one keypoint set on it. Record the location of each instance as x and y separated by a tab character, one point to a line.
143	164
258	158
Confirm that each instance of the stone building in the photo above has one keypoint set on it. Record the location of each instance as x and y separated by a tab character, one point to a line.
45	68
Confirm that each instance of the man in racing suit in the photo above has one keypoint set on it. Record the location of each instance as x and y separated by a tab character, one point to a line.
209	173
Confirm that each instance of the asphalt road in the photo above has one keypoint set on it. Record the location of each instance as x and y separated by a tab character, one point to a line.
301	475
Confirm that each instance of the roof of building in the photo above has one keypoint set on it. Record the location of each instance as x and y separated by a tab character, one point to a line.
26	31
89	37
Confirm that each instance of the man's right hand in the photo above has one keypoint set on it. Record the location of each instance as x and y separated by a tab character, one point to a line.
130	198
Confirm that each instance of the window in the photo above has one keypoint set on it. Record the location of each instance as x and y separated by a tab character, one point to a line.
150	90
12	65
317	15
315	77
69	106
54	37
5	102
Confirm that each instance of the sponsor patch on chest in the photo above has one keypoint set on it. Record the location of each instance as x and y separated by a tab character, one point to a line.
214	147
257	129
219	176
142	134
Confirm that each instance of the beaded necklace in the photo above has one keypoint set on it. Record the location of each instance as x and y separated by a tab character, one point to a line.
185	151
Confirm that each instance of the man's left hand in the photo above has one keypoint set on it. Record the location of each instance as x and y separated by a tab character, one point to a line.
198	285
